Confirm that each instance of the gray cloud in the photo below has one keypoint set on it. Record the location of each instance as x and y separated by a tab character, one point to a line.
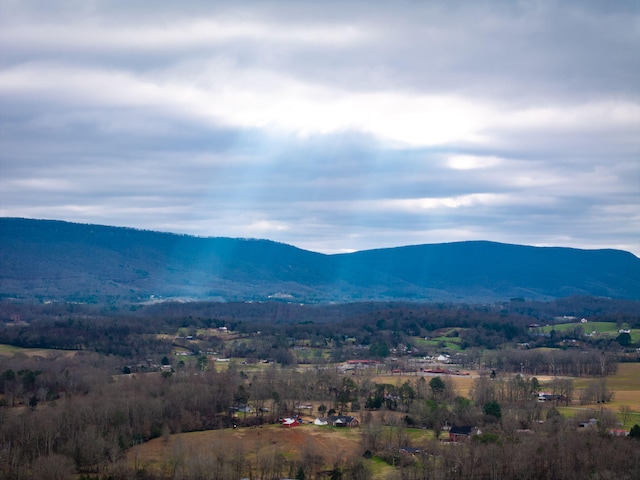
330	126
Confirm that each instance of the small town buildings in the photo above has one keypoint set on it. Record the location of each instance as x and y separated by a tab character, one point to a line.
591	423
338	421
457	434
362	362
410	451
344	421
289	422
549	397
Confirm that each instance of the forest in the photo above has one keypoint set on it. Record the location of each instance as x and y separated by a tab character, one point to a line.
83	386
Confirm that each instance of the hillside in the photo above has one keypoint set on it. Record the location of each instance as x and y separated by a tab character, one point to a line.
54	260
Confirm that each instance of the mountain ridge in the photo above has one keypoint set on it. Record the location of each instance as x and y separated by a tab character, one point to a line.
57	260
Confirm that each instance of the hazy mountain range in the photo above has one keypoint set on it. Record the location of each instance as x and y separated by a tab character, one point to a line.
55	260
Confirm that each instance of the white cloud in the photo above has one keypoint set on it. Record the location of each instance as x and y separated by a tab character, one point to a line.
473	162
263	227
177	35
590	116
446	202
251	98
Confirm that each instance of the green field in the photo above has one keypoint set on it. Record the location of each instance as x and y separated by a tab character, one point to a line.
8	350
442	339
626	387
380	468
609	329
600	327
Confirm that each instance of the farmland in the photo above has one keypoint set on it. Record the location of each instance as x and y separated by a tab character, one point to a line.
256	446
594	329
625	385
260	446
9	350
198	391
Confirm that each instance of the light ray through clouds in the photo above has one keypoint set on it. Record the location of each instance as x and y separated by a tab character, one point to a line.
332	126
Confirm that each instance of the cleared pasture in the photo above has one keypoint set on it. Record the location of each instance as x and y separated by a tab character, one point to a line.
8	350
463	383
440	343
609	329
256	445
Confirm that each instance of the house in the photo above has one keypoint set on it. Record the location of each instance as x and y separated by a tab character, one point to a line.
344	421
410	451
321	421
361	362
289	422
457	434
549	397
591	423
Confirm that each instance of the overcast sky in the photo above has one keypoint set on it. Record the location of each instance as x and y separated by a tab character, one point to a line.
330	125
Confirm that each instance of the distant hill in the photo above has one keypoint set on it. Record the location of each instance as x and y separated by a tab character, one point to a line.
54	260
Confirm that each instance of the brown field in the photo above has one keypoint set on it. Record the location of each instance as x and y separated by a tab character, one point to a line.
333	444
463	383
625	384
626	387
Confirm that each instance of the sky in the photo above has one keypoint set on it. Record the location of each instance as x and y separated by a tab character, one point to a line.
334	126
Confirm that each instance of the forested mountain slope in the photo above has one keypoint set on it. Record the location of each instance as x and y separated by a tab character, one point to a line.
55	260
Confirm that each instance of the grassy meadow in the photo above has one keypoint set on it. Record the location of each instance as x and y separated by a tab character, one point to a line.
601	329
8	350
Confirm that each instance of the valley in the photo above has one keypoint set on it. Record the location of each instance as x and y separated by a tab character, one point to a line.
200	390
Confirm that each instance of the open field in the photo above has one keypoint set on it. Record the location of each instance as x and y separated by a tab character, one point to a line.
463	383
625	383
34	352
441	340
626	387
599	327
255	444
602	329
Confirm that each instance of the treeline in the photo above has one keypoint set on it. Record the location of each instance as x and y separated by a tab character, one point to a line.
276	313
133	332
75	408
111	336
561	455
571	362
